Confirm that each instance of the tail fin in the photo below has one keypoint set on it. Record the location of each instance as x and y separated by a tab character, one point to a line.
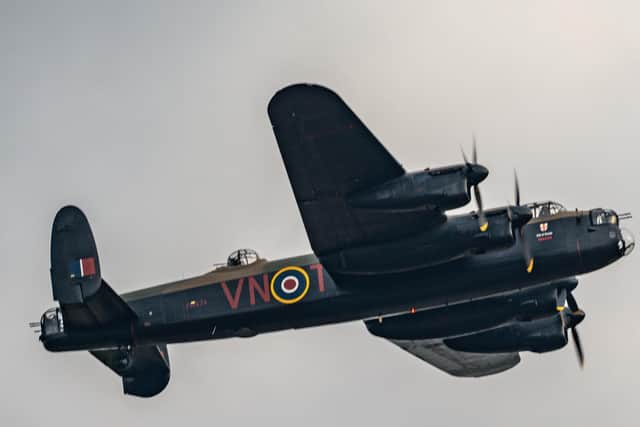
91	315
85	299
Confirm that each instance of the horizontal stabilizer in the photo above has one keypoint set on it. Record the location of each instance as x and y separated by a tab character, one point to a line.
104	308
145	370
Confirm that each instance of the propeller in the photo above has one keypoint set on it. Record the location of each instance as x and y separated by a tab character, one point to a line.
476	173
575	317
519	217
516	188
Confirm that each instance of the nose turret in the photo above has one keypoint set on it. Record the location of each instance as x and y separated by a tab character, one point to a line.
602	240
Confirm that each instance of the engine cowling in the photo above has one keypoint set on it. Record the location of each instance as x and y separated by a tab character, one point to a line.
453	239
447	188
471	317
540	336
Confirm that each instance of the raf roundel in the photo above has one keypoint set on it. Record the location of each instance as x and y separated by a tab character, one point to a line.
289	285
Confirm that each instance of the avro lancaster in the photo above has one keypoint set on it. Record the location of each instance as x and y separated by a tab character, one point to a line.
466	293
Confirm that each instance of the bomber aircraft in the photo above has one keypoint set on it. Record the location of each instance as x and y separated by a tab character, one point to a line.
465	293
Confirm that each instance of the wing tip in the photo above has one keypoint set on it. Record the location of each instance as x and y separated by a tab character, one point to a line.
295	95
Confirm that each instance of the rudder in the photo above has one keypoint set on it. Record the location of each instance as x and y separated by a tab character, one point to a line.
85	298
75	267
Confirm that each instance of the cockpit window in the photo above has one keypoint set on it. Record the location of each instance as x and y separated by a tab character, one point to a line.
544	209
603	216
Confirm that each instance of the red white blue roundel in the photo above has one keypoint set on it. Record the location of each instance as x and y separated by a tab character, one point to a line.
289	285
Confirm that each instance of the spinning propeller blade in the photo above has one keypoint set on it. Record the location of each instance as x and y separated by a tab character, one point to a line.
526	251
517	188
578	345
464	157
476	173
577	316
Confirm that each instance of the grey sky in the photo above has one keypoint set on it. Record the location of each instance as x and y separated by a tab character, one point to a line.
151	116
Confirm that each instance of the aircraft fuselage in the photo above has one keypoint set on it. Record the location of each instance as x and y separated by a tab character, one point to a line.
298	292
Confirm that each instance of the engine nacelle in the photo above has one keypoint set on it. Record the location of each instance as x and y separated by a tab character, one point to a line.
470	317
446	188
499	233
458	236
540	336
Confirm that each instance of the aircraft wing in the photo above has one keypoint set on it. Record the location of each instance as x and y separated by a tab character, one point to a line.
329	153
458	363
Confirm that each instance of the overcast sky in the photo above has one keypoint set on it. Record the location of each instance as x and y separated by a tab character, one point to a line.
151	116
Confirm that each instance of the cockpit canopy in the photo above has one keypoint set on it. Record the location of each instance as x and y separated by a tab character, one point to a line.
242	257
544	209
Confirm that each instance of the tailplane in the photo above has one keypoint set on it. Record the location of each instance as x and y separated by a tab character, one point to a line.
145	370
91	315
